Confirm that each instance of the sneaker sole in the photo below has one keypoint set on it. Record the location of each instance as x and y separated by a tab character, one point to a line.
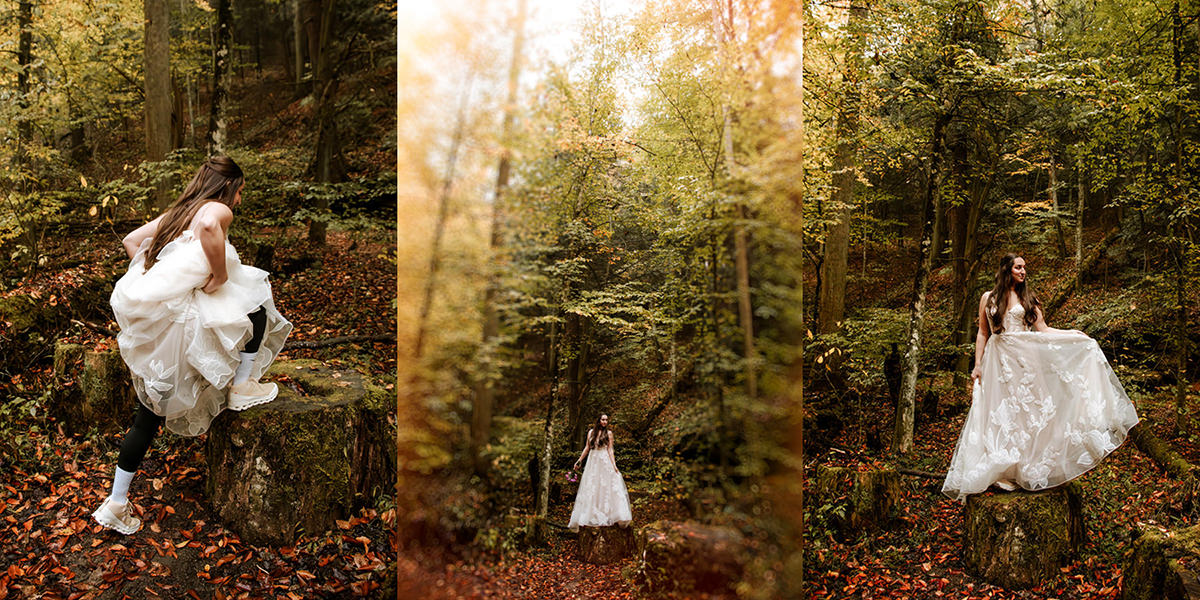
114	524
241	407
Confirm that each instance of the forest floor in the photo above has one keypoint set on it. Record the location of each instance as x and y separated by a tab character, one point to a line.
553	571
49	546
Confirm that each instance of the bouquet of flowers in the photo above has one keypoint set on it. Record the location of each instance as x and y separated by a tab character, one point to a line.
572	476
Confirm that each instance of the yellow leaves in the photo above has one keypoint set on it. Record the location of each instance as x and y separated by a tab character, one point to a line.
83	181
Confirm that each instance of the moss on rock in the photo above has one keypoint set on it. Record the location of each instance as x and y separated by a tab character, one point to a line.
91	389
684	556
1158	566
319	450
865	499
1019	539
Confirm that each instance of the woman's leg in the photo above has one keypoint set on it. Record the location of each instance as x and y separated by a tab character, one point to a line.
133	449
258	327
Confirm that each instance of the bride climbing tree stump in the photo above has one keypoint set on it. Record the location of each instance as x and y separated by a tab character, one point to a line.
1019	539
302	461
604	545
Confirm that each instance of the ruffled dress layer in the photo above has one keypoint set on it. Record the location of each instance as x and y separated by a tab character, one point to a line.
602	499
182	345
1047	409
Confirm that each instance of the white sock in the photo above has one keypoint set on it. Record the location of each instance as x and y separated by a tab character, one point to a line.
243	371
120	487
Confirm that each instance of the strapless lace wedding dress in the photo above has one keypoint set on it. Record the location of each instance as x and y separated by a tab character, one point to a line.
1047	409
182	345
602	499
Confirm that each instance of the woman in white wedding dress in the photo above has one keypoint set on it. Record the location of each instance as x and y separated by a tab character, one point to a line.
602	499
1045	406
197	327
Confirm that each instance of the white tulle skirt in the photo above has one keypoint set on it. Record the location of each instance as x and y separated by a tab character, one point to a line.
602	499
182	345
1047	409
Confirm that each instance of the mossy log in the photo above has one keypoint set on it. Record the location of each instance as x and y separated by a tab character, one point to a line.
1161	452
1161	566
91	388
321	449
604	545
1020	539
684	556
870	498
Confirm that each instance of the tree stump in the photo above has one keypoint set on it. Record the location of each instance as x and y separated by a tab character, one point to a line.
319	450
604	545
870	498
1019	539
1163	566
92	388
683	556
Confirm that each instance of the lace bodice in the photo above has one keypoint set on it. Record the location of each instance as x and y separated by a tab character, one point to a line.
1014	319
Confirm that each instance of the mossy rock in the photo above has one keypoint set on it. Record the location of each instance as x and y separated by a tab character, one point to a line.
1162	566
686	556
605	545
867	499
1020	539
22	312
321	449
91	388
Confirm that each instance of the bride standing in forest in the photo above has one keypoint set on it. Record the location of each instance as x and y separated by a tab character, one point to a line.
602	499
1046	406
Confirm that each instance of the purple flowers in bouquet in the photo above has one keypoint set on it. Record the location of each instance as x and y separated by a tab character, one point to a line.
572	476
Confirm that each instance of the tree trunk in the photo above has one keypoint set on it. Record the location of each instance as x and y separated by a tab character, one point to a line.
481	409
832	302
156	54
222	55
24	65
576	372
906	408
326	166
297	42
543	503
1060	237
722	27
965	253
1080	202
439	227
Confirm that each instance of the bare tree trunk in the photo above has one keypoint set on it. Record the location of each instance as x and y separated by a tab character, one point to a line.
576	373
832	302
297	42
723	26
156	55
24	64
1080	202
906	408
485	393
325	88
439	227
543	501
1060	237
222	53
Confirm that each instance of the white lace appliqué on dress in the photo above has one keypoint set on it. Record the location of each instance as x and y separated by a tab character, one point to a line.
1048	408
602	499
181	344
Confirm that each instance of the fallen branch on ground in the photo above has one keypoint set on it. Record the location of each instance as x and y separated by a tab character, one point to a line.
345	339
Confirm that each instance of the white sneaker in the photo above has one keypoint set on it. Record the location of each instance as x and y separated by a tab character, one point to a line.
251	393
117	517
1006	484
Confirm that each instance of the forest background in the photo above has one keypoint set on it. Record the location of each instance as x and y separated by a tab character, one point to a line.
605	202
944	134
107	108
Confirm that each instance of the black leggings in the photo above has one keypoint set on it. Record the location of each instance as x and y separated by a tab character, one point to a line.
146	424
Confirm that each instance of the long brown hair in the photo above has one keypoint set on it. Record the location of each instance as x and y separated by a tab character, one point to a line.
998	298
218	180
600	433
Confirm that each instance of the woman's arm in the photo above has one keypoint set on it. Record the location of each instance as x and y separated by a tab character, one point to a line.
981	338
587	447
1040	323
611	457
134	240
210	226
